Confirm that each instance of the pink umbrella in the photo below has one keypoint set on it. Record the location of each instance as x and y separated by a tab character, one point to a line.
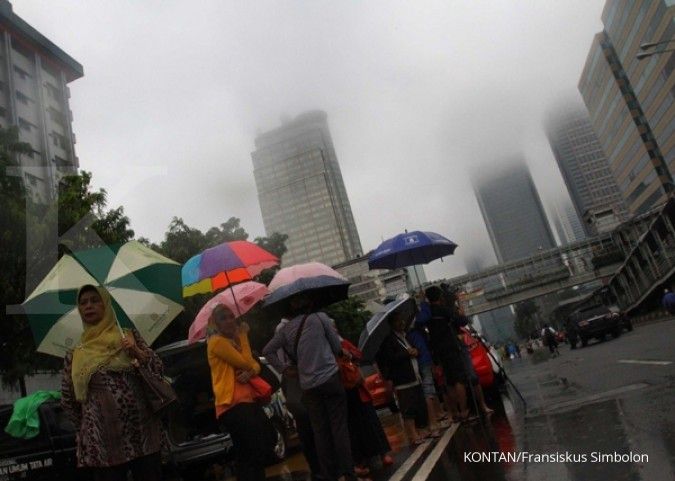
318	281
239	298
288	275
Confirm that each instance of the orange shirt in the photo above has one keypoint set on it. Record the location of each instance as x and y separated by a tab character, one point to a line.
224	359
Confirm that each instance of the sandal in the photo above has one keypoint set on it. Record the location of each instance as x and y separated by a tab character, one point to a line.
387	460
361	471
433	435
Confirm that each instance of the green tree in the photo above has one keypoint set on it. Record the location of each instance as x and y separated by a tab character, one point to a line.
526	318
350	316
181	242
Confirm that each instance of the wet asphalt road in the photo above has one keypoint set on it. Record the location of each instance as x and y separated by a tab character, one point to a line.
617	396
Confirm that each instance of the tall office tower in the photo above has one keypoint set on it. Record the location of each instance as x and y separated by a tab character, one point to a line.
590	182
301	191
513	212
34	93
631	100
567	224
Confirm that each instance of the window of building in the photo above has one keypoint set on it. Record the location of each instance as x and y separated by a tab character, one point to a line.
23	98
21	73
25	125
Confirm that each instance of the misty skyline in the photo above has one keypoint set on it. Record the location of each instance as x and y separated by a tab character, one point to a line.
417	95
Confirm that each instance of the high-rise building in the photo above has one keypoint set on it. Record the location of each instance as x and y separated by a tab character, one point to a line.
513	213
301	191
34	93
496	325
630	101
372	285
590	182
567	224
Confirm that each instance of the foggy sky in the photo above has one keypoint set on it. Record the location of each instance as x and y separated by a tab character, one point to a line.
418	95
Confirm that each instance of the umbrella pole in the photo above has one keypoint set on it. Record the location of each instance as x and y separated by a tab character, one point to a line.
236	304
419	284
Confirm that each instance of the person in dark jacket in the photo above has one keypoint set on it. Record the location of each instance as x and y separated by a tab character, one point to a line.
447	351
397	361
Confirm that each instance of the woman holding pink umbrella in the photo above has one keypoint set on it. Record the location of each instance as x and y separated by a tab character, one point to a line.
233	370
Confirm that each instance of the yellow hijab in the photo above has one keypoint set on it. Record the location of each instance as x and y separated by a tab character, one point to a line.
100	346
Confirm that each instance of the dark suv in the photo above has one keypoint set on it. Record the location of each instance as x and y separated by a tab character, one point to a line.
195	442
596	322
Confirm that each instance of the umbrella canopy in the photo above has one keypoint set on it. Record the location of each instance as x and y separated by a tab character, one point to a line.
409	249
323	284
225	264
239	299
377	328
144	286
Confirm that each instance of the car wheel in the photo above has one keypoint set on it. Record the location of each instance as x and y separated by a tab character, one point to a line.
629	326
584	342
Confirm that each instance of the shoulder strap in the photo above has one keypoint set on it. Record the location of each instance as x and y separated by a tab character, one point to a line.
294	357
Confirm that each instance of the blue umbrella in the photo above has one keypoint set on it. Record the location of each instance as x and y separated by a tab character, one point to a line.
409	249
377	328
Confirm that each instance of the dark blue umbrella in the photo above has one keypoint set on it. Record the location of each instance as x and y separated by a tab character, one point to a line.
409	249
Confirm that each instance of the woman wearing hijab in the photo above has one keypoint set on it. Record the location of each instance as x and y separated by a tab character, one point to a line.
238	413
102	392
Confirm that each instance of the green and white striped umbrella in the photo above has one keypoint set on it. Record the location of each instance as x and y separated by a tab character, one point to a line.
145	289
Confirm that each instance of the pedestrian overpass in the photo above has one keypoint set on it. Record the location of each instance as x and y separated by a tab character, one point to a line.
545	272
631	261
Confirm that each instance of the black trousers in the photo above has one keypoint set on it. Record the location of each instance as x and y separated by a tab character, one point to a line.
253	437
327	408
293	393
147	468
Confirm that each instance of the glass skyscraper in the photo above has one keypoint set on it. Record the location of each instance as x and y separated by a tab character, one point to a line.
632	101
584	167
301	191
513	213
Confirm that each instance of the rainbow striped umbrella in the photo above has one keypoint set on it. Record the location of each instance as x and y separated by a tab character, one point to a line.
223	265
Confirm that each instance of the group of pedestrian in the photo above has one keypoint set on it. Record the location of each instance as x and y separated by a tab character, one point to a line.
340	432
424	343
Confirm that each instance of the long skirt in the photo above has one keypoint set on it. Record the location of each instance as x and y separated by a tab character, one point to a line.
365	430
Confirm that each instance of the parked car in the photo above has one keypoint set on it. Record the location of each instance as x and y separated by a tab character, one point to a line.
196	443
48	456
597	322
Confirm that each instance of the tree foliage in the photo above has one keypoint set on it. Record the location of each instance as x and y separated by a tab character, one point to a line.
350	316
181	242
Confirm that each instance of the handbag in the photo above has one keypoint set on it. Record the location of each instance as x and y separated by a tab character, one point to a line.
262	389
350	374
158	391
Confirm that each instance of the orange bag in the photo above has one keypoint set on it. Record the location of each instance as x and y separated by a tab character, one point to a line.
350	374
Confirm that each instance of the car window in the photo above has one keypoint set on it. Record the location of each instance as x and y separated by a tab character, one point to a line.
10	446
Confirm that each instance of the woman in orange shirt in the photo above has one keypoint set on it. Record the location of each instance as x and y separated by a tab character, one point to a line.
232	366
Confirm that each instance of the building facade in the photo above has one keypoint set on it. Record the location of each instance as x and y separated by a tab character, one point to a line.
34	96
513	213
372	285
302	194
630	100
585	170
